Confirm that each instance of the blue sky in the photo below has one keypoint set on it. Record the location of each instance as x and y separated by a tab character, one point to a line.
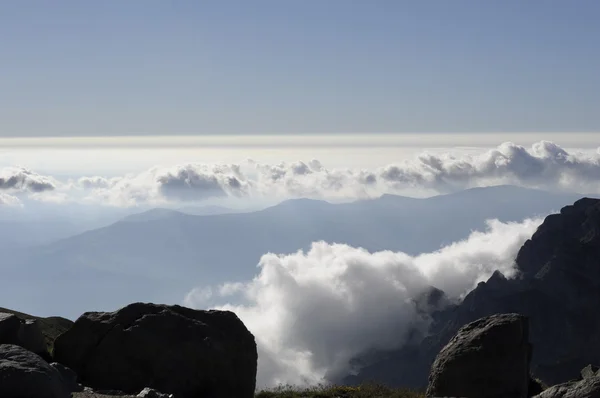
71	68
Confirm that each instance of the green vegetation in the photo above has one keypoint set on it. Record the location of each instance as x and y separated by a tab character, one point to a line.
363	391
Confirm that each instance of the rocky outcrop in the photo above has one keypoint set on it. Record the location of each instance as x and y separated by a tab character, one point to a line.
24	374
173	349
486	358
9	328
587	387
50	327
431	301
25	333
68	375
557	288
152	393
589	372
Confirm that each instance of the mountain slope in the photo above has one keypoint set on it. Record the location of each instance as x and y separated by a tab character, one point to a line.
558	288
153	215
162	258
208	210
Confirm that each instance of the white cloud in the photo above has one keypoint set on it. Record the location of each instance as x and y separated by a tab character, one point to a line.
96	182
20	179
544	165
188	182
312	312
9	200
200	295
55	197
196	181
20	182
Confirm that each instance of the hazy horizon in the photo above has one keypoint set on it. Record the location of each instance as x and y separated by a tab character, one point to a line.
129	171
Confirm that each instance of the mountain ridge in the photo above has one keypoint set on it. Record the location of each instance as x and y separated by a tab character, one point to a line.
557	287
163	259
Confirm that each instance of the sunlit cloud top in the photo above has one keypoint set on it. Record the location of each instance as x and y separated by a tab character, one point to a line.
544	165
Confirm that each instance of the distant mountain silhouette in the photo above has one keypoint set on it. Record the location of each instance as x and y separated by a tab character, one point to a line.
165	253
153	215
209	210
558	288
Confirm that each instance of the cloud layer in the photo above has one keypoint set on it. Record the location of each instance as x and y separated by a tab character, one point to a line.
160	185
20	181
311	312
545	165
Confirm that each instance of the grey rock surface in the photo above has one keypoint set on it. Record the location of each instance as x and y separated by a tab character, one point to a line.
22	332
486	358
152	393
69	377
24	374
585	388
173	349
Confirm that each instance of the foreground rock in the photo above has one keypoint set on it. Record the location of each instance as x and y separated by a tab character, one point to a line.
557	288
87	393
50	327
487	358
587	387
152	393
25	333
24	374
175	350
68	376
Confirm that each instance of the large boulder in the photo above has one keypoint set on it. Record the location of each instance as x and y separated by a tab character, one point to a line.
486	358
9	328
24	374
50	327
587	387
23	332
30	334
173	349
68	375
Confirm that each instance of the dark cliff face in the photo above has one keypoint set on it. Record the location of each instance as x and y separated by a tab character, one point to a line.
558	288
572	235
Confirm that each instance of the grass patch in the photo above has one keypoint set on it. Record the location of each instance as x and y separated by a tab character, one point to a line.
325	391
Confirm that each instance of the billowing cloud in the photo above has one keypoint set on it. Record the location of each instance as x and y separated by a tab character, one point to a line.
9	200
19	179
312	312
311	179
545	165
96	182
188	182
19	182
194	182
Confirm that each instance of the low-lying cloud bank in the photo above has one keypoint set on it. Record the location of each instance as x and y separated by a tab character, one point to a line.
545	165
312	312
22	181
